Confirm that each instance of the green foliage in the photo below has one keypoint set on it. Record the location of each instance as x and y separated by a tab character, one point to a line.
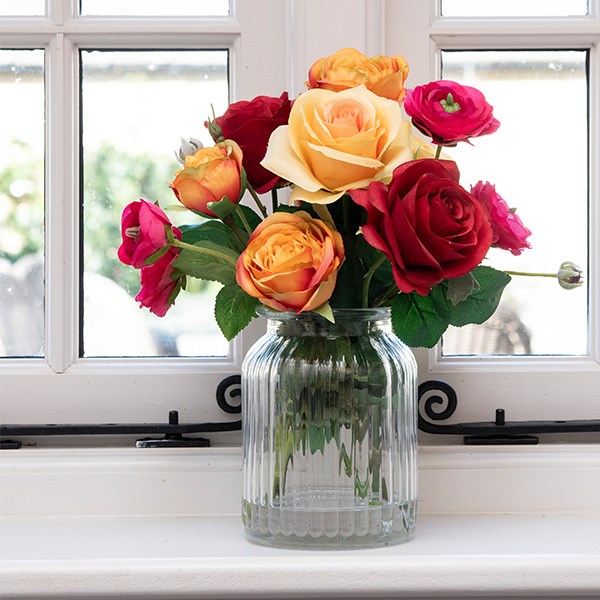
420	321
234	309
208	261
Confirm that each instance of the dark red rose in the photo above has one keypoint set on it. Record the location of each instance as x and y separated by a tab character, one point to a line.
449	112
250	124
428	226
159	288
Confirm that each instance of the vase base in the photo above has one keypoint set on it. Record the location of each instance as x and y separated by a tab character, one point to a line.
310	529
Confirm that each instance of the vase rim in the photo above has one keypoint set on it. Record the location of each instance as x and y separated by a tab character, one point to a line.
364	314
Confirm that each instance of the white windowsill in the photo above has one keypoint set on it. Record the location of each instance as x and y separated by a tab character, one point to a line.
164	524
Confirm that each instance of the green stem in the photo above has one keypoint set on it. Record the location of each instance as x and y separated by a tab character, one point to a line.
346	213
274	199
386	296
367	279
260	205
230	222
201	250
438	152
243	219
526	274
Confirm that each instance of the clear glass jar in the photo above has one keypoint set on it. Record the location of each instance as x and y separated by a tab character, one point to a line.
329	432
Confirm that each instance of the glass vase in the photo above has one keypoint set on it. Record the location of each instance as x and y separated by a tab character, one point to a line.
329	432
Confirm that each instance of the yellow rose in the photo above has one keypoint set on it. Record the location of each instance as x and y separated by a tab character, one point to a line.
208	175
348	68
291	262
335	142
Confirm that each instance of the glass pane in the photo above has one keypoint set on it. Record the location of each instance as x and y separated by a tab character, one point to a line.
26	8
196	8
538	162
514	8
136	108
22	203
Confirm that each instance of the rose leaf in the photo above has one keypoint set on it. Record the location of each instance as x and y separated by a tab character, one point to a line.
234	309
209	261
460	288
416	321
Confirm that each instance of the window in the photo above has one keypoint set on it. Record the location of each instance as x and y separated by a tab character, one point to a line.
521	60
269	45
108	89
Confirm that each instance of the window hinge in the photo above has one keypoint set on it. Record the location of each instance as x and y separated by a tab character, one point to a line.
496	432
227	392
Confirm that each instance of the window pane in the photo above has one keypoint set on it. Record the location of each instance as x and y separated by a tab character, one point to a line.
136	107
538	161
17	8
22	203
514	8
199	8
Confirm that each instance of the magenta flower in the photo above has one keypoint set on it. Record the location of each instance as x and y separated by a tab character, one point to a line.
508	230
449	113
159	285
143	232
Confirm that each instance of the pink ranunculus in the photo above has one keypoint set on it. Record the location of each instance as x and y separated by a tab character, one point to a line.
449	112
143	232
159	288
429	227
509	233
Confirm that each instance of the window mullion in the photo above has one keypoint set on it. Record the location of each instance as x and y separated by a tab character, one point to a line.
62	222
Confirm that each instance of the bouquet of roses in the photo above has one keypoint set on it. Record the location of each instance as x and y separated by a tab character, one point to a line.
375	217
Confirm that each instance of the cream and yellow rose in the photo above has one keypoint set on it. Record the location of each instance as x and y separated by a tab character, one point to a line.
291	262
335	142
348	68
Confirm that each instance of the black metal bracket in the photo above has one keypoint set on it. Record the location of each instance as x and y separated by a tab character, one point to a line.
497	432
227	391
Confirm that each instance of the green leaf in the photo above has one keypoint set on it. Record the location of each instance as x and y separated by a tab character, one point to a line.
223	208
253	219
234	309
416	321
325	311
482	302
460	288
209	261
208	231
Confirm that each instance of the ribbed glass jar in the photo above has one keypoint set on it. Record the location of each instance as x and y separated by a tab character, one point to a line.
329	430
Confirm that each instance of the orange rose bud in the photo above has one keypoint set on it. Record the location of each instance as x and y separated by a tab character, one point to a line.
291	262
348	68
208	175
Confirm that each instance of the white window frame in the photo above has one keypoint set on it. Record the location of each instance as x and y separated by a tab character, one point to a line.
529	388
68	389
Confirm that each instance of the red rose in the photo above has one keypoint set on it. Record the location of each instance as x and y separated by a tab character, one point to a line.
159	288
428	226
143	232
449	113
250	124
508	229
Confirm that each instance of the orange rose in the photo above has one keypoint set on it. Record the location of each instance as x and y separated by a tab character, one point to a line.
338	141
208	175
348	68
291	262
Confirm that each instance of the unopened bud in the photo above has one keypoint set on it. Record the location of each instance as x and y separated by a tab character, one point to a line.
570	276
216	133
188	148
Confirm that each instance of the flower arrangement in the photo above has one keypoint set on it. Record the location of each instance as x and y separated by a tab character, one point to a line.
376	216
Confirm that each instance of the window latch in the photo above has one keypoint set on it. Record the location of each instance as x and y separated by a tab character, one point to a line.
434	407
228	391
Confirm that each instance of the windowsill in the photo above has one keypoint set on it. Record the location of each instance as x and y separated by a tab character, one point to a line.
139	523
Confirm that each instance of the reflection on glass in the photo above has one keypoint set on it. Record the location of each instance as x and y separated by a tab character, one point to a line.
514	8
136	106
25	8
21	203
196	8
538	162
